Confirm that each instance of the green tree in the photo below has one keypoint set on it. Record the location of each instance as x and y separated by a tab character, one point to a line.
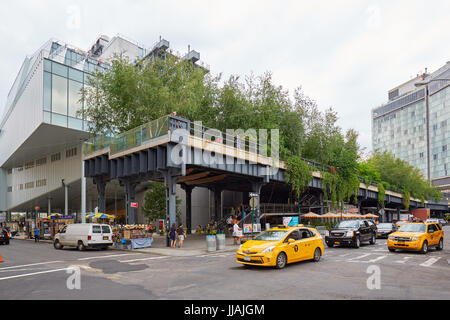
298	174
155	202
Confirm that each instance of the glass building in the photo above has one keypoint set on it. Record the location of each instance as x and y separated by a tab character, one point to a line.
415	125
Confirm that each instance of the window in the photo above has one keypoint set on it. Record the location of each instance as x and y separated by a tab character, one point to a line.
29	185
21	186
293	235
29	165
96	229
421	155
56	157
74	98
9	189
41	183
47	91
9	171
20	169
41	162
71	152
444	148
305	234
435	156
106	229
59	95
444	123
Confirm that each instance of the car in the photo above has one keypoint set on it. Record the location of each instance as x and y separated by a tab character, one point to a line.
84	235
279	246
352	232
4	236
399	223
417	236
432	220
385	229
442	222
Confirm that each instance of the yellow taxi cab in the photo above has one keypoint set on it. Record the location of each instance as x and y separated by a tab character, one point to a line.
279	246
399	223
417	236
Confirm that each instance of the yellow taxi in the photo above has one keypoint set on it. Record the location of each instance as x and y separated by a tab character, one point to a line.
417	236
279	246
399	223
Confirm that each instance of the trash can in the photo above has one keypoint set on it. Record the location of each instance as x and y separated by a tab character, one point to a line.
211	243
220	241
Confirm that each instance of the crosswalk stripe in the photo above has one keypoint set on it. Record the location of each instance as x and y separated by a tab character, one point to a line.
430	262
376	259
404	260
144	259
361	256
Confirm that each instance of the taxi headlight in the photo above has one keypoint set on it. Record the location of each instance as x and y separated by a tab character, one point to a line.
269	249
240	248
391	237
415	239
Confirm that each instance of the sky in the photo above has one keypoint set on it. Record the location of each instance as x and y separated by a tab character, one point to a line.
344	54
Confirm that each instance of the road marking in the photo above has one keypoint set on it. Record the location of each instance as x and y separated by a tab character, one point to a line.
404	260
429	262
344	255
34	273
111	255
361	256
152	258
376	259
29	265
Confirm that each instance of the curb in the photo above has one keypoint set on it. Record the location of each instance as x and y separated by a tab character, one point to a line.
45	241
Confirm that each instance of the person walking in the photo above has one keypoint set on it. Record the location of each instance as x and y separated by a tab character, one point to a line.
36	234
173	236
236	233
229	223
181	236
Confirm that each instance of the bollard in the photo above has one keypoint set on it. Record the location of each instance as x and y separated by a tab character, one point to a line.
220	241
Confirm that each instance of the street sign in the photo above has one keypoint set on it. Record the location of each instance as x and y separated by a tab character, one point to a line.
253	195
37	208
134	204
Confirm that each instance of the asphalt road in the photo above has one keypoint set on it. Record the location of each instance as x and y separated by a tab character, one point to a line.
38	271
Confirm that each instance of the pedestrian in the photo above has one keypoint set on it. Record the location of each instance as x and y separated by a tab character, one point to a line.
237	233
230	222
173	236
150	228
36	234
181	235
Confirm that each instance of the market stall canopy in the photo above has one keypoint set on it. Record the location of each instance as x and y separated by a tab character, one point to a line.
370	215
54	215
100	215
330	215
310	215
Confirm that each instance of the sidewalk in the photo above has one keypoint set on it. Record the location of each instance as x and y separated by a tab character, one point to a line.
193	245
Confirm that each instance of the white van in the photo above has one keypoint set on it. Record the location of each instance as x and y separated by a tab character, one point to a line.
84	235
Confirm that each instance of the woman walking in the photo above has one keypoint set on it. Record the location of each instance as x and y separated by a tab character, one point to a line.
236	233
173	236
181	235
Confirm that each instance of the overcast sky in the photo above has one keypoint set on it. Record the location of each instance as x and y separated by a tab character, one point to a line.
344	54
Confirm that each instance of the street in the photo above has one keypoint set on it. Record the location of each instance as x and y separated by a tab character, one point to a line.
38	271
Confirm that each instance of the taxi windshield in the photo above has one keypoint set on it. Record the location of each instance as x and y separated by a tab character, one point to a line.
412	228
271	235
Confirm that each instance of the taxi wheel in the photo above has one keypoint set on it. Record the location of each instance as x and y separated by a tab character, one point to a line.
317	254
424	249
440	245
281	260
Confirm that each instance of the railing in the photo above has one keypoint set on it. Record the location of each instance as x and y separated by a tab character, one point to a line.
97	143
278	208
140	135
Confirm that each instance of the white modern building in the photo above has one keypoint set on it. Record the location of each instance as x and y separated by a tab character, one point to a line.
41	131
415	125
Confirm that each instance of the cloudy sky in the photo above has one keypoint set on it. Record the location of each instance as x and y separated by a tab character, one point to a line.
344	54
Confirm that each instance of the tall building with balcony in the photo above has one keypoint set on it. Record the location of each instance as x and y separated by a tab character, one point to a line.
414	125
42	127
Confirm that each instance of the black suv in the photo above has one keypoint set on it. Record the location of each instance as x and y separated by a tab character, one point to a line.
352	232
4	236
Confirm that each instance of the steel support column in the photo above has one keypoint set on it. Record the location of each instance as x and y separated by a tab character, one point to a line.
188	190
101	187
256	188
130	196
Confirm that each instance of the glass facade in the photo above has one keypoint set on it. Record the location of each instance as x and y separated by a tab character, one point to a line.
403	131
62	103
439	104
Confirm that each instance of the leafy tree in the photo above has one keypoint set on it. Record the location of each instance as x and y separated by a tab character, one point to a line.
298	174
155	202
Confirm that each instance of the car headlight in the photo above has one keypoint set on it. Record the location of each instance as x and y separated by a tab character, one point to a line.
240	248
349	234
269	249
415	239
391	237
